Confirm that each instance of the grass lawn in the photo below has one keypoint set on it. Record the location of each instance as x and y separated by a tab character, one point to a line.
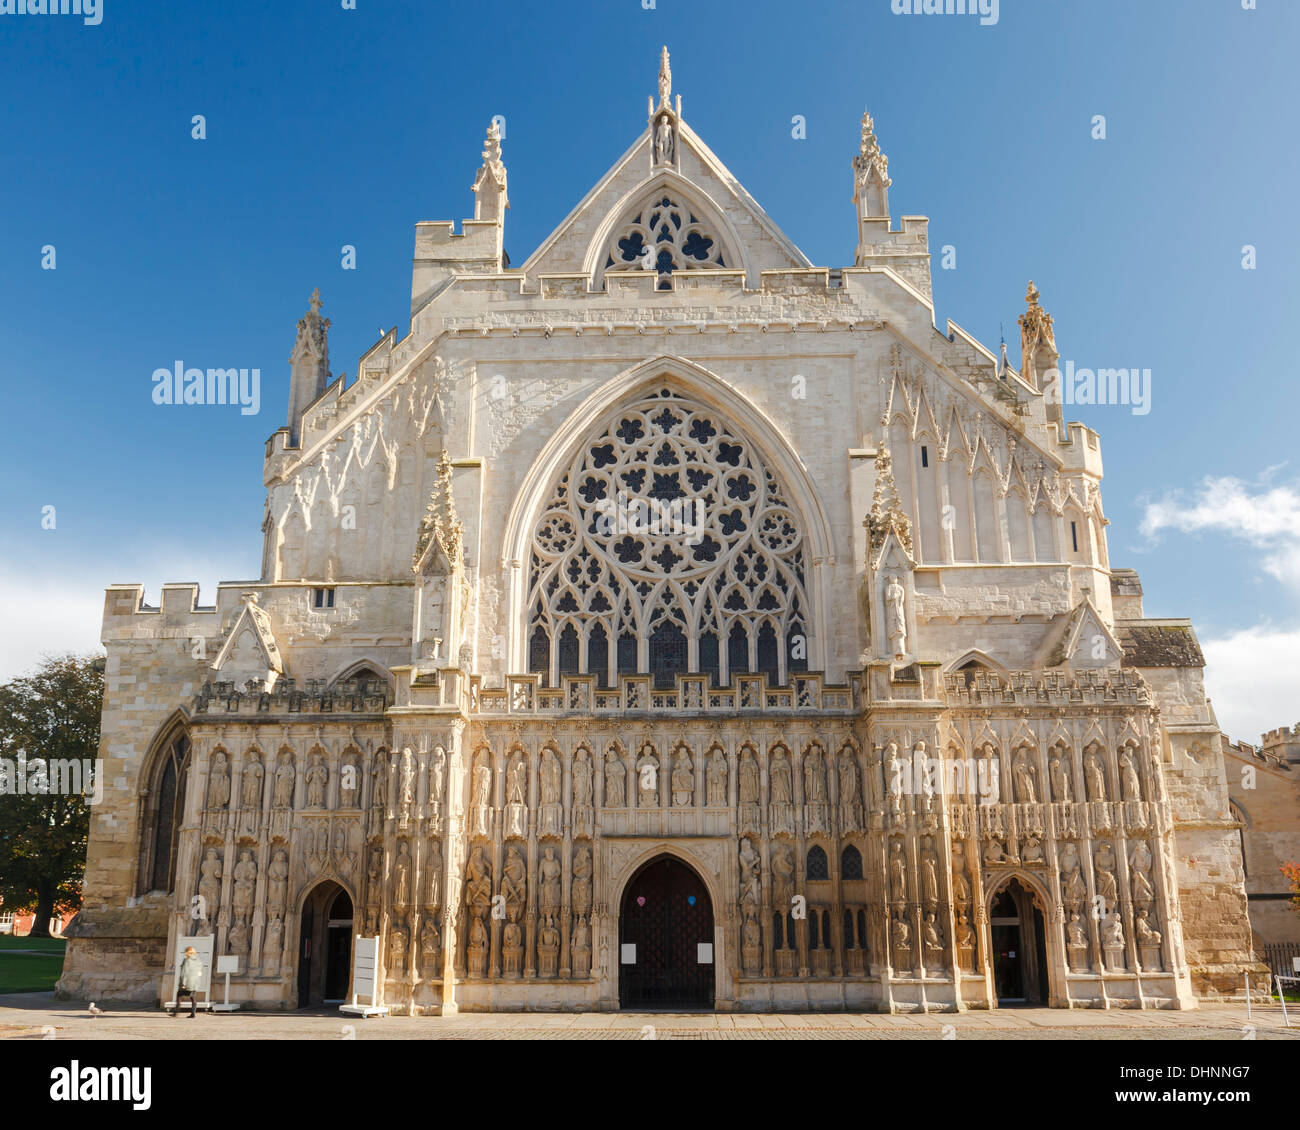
30	972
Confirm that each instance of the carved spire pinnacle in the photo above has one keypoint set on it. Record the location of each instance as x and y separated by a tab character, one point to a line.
870	166
313	334
490	198
665	80
1035	334
440	522
886	508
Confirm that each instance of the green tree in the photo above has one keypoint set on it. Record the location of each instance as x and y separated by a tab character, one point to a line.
50	714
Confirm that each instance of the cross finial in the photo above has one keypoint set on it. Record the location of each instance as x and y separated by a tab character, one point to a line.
315	301
665	78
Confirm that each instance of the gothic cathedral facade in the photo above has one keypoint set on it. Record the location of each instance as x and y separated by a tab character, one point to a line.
669	621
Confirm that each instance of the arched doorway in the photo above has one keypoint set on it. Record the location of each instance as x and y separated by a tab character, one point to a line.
665	935
325	946
1019	947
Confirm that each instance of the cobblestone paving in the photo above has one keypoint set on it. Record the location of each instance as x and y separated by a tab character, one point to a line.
39	1016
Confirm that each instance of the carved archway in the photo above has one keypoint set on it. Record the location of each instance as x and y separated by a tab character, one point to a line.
323	969
666	938
1039	960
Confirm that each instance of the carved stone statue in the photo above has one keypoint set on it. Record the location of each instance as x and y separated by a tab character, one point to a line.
548	949
284	779
581	948
751	944
379	786
715	779
783	876
897	871
1059	769
1113	932
277	887
1026	777
1128	775
548	873
664	141
1105	875
782	789
406	786
1077	934
1095	773
582	792
430	950
239	938
433	889
480	795
271	948
581	891
398	942
317	778
647	778
245	884
402	875
514	883
549	775
814	777
210	885
219	785
250	784
615	780
929	872
896	616
512	947
478	944
749	779
349	782
478	881
1143	930
849	787
683	780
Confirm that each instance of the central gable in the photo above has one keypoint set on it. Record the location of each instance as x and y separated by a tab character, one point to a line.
709	220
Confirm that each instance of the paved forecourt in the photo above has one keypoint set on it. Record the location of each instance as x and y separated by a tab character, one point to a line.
39	1016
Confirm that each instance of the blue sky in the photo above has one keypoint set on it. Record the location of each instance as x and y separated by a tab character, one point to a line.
328	126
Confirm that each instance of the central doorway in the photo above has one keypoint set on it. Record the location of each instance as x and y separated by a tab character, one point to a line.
1019	947
665	935
325	947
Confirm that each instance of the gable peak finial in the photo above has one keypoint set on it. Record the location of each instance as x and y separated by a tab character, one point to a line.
315	302
665	79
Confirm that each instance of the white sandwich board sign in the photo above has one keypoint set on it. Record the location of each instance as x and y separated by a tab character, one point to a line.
365	980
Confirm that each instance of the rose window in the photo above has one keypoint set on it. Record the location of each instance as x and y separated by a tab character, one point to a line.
667	547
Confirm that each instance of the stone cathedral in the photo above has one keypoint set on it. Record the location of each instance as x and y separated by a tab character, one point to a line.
667	621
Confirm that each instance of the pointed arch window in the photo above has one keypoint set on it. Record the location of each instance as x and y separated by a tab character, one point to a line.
164	814
668	532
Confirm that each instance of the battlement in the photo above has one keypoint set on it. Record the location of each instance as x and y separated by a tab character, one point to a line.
1101	687
1283	743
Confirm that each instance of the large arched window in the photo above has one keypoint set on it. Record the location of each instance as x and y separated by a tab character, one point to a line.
668	535
164	813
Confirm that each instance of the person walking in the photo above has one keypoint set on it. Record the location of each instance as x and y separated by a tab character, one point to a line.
191	979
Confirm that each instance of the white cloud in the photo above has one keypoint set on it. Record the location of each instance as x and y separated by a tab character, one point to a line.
50	613
1252	677
1265	516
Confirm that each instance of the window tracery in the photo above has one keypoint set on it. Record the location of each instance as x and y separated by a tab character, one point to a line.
668	236
666	547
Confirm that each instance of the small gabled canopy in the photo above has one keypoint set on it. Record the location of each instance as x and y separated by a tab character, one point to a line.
250	650
1080	639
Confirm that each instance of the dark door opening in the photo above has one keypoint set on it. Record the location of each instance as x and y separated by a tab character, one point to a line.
665	933
1019	948
325	947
